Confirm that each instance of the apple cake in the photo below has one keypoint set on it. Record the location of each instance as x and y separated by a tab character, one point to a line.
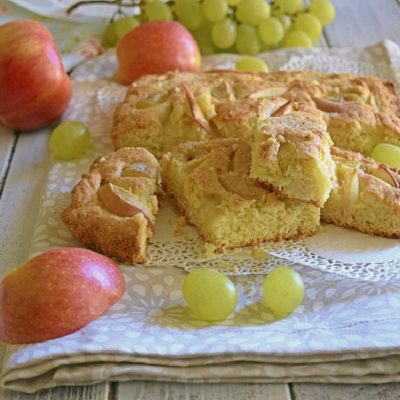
209	183
366	196
113	206
291	154
162	111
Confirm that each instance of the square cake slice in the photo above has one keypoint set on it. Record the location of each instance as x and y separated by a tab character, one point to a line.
366	195
291	155
209	183
113	206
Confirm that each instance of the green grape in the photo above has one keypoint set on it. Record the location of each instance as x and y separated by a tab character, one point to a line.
215	10
156	10
251	64
233	2
189	13
387	153
290	6
297	38
252	11
109	37
247	41
285	21
271	31
283	290
210	295
203	39
223	34
324	10
124	25
276	10
69	140
309	24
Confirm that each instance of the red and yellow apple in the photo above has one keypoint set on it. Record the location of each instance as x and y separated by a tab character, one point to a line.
34	88
57	293
156	48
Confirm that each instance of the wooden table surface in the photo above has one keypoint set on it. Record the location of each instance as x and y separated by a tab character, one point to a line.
23	159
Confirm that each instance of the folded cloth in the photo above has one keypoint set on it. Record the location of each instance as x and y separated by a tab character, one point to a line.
84	372
345	331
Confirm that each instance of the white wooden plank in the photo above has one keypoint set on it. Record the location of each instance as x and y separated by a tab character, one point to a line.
8	139
389	391
186	391
19	206
360	23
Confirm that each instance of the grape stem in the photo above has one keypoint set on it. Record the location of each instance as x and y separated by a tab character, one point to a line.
119	3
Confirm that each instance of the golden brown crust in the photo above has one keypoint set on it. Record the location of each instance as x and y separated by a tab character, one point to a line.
359	111
209	183
123	237
367	195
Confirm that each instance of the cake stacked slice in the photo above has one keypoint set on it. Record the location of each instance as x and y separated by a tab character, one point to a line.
210	184
291	154
366	195
113	206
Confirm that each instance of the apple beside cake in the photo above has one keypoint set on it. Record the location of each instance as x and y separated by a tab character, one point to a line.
366	195
113	206
162	111
210	184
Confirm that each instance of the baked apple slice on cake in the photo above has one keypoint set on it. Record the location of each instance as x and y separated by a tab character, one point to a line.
291	154
113	206
365	197
209	183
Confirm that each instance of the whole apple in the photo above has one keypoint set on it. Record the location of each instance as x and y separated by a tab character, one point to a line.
155	48
34	88
57	293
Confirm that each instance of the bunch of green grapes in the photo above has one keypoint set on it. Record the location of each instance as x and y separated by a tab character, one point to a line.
237	26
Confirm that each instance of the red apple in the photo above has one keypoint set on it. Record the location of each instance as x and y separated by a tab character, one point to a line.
34	89
155	48
57	293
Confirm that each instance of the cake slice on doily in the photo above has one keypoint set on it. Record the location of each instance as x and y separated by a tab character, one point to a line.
209	183
366	196
291	154
113	206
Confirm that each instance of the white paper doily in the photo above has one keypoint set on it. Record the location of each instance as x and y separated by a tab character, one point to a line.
335	250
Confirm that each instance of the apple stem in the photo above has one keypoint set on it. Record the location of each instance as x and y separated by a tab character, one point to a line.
118	3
